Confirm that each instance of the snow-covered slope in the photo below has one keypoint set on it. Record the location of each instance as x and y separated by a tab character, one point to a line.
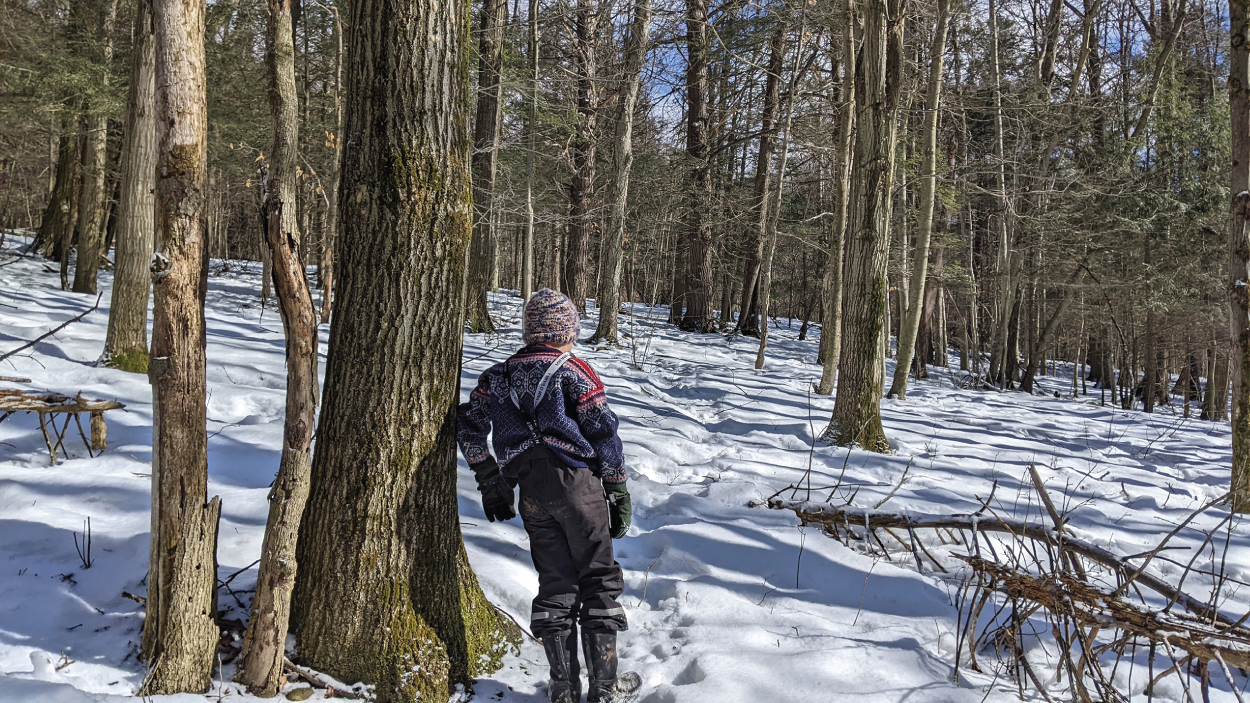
728	603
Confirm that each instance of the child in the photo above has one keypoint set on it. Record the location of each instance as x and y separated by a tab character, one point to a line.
555	436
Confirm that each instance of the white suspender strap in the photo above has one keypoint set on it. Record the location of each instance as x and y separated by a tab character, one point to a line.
541	391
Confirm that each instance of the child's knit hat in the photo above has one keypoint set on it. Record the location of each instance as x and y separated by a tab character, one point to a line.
550	318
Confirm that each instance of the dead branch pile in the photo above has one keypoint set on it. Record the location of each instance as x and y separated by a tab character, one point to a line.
1032	580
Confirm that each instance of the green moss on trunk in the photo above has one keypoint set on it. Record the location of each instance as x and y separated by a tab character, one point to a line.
130	360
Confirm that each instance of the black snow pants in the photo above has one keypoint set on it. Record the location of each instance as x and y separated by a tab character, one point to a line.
566	516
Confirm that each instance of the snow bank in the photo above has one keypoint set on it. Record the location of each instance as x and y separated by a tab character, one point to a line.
727	603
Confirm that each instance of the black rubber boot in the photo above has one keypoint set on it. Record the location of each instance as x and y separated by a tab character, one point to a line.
565	686
605	686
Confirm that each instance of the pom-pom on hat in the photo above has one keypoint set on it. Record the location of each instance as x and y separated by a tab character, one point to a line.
550	318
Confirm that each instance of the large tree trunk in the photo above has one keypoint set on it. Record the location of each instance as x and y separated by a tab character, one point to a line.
909	324
91	206
636	45
857	410
697	286
748	321
385	593
126	342
62	202
180	632
832	285
1239	247
582	188
485	156
264	644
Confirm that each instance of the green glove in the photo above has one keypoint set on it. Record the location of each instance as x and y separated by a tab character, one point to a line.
620	512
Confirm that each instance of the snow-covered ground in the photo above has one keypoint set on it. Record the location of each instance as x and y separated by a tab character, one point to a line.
728	602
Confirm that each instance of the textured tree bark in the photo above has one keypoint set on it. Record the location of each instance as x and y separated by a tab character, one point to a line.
264	643
909	324
126	342
485	156
91	206
1239	248
857	410
582	187
61	203
180	633
636	45
697	287
385	593
748	322
832	283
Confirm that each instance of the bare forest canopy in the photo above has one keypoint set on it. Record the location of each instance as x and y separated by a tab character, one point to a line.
1081	158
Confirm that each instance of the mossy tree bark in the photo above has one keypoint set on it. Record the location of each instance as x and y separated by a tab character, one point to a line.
636	45
485	157
91	205
126	342
180	633
264	643
1239	249
385	593
857	410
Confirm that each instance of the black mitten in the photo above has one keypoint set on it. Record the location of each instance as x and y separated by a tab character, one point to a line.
496	493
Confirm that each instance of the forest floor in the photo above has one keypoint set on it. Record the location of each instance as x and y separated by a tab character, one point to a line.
728	601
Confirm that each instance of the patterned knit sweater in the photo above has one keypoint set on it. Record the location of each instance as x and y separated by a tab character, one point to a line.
573	419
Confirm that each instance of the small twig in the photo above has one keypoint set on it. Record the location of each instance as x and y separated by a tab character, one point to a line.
138	599
84	550
647	577
231	576
901	480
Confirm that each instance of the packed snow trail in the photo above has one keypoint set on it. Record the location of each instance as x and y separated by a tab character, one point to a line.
728	603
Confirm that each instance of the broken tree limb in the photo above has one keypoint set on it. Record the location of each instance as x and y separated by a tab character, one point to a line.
318	681
56	329
1092	607
835	518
